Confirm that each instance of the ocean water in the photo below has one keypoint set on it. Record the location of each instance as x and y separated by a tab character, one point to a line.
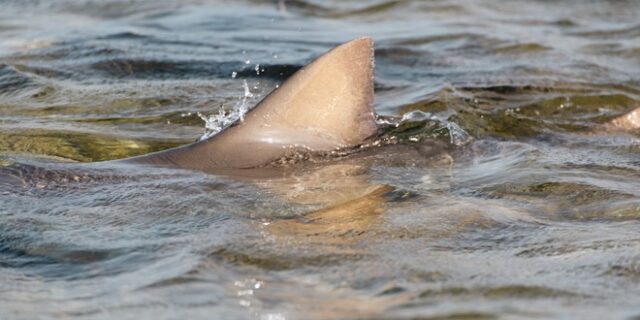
500	195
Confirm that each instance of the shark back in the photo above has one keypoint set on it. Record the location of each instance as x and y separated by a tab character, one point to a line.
324	106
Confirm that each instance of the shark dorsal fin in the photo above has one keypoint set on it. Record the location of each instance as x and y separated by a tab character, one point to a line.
324	106
331	97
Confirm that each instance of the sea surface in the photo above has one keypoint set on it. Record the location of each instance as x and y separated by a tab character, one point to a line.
499	192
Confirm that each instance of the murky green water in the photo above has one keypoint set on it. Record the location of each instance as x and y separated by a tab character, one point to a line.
503	198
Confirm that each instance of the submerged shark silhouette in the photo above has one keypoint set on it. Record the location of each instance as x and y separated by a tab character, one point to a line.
325	106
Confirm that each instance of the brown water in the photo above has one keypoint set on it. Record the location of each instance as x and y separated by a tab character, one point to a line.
523	207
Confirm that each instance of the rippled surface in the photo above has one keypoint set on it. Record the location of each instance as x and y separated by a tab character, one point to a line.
523	207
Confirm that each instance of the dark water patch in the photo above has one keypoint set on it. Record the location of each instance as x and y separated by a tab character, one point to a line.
177	118
31	178
460	316
58	53
509	89
551	100
31	253
43	72
51	102
372	10
164	69
177	281
124	35
573	193
5	28
498	124
184	44
266	260
435	134
477	233
128	68
112	9
612	33
392	291
522	48
440	38
16	255
44	93
79	146
432	104
276	72
508	111
570	201
401	56
398	195
567	22
500	292
344	10
14	82
582	107
554	247
629	269
614	49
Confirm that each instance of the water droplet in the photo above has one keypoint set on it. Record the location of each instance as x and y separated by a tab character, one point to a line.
247	292
215	123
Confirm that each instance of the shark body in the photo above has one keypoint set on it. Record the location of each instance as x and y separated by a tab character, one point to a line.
325	106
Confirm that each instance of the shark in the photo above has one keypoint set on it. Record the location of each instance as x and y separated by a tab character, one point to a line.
323	107
324	111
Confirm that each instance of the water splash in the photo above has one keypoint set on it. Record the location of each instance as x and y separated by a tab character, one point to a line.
457	135
215	123
440	126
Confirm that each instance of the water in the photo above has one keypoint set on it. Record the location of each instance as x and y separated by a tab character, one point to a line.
503	196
